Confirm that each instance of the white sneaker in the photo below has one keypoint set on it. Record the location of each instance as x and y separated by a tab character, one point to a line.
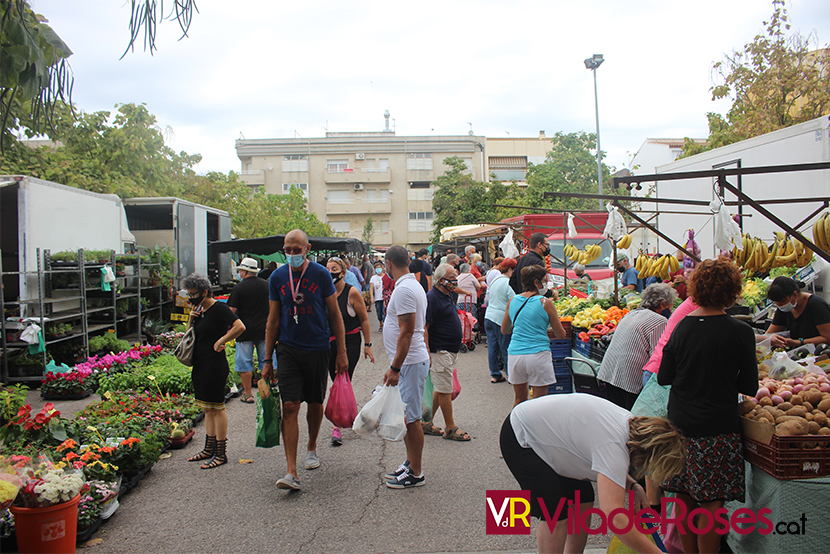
288	482
312	461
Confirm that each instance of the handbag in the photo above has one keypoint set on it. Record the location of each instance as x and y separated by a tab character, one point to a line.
185	348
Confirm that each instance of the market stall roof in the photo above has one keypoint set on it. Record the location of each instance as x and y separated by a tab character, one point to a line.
483	231
267	246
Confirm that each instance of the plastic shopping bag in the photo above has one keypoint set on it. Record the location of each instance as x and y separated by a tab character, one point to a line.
508	247
456	385
653	400
384	413
782	367
727	231
617	546
341	408
268	420
426	403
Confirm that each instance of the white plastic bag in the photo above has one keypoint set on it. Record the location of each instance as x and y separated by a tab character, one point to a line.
615	225
30	334
508	247
109	276
385	413
782	367
727	232
571	226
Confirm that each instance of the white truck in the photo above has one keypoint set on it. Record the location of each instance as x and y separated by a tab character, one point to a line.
804	143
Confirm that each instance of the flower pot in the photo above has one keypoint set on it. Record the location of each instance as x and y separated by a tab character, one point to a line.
51	529
176	444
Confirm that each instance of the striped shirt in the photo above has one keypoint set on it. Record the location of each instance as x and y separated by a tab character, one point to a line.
634	340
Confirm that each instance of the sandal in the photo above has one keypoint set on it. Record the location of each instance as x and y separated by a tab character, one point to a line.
499	379
430	429
455	434
221	458
208	452
247	399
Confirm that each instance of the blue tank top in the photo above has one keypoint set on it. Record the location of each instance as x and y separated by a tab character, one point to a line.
530	328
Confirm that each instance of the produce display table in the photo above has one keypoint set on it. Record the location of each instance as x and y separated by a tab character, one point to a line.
788	500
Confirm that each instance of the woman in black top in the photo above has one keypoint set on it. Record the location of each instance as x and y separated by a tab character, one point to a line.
355	319
708	360
805	315
214	324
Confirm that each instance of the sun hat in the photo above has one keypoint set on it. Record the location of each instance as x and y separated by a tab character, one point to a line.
248	264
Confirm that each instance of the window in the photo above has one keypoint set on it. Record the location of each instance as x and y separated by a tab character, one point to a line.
419	185
383	226
294	163
469	163
420	221
340	197
376	166
340	226
337	166
419	161
377	196
419	195
302	186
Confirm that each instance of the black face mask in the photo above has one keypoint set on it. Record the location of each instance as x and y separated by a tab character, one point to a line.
621	268
336	277
196	301
546	251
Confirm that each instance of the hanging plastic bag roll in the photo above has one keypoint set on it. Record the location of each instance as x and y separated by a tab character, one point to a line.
615	227
571	226
727	232
508	247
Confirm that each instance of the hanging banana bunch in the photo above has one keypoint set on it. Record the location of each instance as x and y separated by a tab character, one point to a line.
624	242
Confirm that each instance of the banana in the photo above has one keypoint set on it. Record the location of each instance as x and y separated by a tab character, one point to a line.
773	252
826	233
787	259
818	232
805	258
674	265
624	242
760	251
638	264
790	247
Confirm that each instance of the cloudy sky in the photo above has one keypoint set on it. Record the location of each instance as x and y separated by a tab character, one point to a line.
274	69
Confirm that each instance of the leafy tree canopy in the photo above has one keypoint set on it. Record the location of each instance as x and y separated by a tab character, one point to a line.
777	80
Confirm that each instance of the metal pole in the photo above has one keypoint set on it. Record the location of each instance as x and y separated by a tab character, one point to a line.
599	150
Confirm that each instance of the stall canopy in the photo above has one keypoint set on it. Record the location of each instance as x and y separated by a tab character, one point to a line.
268	246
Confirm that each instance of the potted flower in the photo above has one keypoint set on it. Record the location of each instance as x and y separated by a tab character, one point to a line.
72	385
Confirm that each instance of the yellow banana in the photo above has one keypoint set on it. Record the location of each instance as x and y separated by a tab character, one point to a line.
624	242
826	232
786	260
674	265
818	232
790	247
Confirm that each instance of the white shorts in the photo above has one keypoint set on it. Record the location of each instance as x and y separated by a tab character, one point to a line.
534	369
443	362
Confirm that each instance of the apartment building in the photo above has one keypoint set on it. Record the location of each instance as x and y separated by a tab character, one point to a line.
349	177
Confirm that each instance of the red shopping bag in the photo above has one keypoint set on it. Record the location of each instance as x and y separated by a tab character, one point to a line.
456	385
341	409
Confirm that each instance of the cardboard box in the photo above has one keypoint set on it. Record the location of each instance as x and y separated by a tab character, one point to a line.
761	431
181	302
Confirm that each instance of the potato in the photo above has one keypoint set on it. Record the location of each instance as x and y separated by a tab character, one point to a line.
808	417
821	419
809	445
777	413
813	427
807	407
796	400
765	401
769	409
782	419
798	411
813	397
792	427
785	406
824	405
765	416
824	431
746	406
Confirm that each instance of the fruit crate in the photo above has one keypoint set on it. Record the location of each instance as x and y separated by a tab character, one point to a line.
560	348
788	457
583	348
564	381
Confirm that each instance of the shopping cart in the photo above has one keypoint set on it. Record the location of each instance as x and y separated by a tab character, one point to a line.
583	382
468	320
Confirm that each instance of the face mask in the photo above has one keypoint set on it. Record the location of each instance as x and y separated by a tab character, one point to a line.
378	270
788	307
196	301
295	260
546	251
336	277
450	285
542	291
621	268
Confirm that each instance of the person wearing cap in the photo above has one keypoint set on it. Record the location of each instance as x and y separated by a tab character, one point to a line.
628	274
249	301
421	269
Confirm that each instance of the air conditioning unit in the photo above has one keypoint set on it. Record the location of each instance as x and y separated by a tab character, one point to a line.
358	186
359	156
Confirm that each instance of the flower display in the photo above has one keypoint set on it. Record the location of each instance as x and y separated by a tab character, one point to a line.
9	487
47	484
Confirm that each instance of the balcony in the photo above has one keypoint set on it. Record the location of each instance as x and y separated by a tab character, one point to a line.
422	175
419	237
253	177
359	175
359	207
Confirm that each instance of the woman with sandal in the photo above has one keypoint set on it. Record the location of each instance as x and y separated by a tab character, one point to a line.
526	319
214	324
355	319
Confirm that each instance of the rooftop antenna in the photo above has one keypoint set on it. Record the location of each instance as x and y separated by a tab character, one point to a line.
241	136
471	129
386	128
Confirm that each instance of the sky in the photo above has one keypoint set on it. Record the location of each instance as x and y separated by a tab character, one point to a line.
260	69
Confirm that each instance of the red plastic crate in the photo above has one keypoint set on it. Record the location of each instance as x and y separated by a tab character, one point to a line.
786	457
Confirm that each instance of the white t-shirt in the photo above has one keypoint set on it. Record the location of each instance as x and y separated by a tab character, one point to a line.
407	298
578	435
490	277
377	282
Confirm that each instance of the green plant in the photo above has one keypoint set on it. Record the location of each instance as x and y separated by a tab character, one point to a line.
165	258
108	342
155	327
58	329
12	398
122	306
64	256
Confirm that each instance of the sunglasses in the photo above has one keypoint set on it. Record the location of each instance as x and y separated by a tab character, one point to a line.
293	250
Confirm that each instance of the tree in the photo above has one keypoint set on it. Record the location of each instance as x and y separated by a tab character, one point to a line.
369	230
775	81
34	75
568	167
275	214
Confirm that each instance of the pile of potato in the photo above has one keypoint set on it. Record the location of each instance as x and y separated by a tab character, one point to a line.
799	406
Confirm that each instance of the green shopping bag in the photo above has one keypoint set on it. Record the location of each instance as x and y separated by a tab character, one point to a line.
268	420
426	403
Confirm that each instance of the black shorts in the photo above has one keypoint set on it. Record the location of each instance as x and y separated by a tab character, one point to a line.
535	475
302	374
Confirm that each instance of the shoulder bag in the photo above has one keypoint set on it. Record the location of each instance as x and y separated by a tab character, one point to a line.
185	348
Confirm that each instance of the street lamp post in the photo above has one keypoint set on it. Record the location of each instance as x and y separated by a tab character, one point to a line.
593	63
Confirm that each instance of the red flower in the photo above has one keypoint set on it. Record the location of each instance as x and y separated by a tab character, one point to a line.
71	456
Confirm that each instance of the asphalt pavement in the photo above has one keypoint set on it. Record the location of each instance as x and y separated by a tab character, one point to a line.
344	505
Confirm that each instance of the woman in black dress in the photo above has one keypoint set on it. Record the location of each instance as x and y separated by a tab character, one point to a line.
214	324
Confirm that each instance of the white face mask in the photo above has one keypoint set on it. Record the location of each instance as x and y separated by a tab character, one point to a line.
788	307
542	290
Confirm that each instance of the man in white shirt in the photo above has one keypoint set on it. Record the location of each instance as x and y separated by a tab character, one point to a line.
403	338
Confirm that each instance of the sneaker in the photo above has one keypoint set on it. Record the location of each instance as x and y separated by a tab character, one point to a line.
401	469
406	481
336	437
288	482
311	460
